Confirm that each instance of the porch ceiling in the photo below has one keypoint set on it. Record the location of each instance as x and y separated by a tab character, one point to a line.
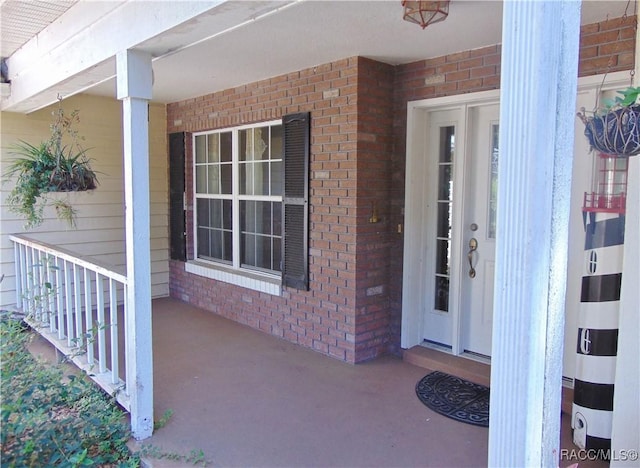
237	42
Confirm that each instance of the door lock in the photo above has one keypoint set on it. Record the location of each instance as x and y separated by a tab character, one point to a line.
473	246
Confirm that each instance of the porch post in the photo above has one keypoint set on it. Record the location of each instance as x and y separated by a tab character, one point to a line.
537	118
134	90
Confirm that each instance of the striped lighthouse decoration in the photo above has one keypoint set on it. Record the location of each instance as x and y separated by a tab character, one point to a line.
597	344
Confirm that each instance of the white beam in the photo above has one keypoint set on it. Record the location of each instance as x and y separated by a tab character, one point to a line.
70	46
537	113
134	89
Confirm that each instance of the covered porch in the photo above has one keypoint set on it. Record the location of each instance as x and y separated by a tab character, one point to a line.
355	274
246	398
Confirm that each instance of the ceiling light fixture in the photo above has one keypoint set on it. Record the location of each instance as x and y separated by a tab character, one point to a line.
425	13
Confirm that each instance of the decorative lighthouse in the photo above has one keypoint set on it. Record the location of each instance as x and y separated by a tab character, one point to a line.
597	346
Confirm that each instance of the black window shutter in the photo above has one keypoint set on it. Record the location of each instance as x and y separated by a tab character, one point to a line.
295	226
176	197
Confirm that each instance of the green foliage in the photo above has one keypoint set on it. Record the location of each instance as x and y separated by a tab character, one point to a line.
59	164
628	97
195	457
49	420
159	424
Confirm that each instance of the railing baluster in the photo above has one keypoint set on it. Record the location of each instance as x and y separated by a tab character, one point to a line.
60	299
77	310
31	283
69	304
88	312
102	365
23	278
18	280
51	291
126	336
113	309
43	298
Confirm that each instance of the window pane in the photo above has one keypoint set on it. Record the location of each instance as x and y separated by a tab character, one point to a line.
202	206
442	294
214	179
442	257
226	182
263	218
261	178
215	217
261	143
493	182
444	219
447	143
246	179
276	142
263	252
201	179
277	254
249	249
201	149
227	215
244	145
213	148
277	218
225	147
203	243
444	182
247	216
228	246
276	178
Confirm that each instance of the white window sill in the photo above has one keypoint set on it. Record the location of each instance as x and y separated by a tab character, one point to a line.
244	279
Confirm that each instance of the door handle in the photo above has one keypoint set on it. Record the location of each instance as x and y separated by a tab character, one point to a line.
473	246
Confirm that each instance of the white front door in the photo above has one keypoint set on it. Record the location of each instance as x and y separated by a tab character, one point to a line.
459	221
479	230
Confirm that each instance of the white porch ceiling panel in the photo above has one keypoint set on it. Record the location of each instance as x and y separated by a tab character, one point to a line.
21	20
201	47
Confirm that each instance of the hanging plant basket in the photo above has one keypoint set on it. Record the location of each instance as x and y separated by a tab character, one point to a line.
616	130
58	164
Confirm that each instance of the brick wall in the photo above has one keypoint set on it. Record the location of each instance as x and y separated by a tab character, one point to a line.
338	305
358	130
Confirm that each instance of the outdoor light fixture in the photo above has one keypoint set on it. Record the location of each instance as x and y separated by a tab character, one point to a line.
425	13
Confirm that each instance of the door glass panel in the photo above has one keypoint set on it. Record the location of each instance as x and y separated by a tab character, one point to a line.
443	224
493	182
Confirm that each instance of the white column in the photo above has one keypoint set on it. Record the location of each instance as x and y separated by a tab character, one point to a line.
537	116
134	90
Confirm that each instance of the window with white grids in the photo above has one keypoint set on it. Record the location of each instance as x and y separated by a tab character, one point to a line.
238	197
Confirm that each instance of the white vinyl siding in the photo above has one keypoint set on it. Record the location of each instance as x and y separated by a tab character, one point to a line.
100	220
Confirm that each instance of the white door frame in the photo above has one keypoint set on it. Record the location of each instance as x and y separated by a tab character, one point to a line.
415	252
412	330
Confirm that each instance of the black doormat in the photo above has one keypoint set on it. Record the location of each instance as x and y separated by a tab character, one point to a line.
455	398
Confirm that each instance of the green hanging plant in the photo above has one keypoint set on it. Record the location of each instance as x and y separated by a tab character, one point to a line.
615	128
59	164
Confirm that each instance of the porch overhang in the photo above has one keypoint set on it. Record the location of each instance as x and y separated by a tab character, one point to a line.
225	43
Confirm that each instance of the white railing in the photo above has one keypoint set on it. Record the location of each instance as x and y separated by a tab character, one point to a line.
77	304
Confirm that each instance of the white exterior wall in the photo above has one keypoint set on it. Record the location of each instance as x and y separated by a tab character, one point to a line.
100	231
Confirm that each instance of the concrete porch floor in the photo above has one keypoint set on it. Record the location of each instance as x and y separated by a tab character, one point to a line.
247	399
